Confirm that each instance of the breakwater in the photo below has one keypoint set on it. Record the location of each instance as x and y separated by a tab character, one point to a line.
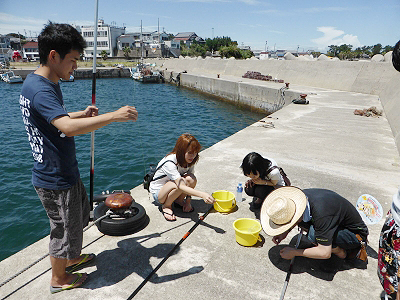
366	77
86	73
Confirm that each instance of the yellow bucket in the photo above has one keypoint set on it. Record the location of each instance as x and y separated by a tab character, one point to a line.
247	231
224	201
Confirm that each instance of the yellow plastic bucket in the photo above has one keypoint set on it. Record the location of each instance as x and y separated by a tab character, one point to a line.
224	201
247	231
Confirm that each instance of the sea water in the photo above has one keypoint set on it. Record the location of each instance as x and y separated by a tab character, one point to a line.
122	150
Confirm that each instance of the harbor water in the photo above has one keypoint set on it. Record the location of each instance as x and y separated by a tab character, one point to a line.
123	151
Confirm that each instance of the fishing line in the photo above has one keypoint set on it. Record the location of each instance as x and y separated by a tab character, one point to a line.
139	133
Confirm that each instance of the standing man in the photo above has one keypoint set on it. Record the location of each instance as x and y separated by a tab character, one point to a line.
334	226
51	130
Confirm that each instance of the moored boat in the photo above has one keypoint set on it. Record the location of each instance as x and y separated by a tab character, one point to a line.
144	74
10	77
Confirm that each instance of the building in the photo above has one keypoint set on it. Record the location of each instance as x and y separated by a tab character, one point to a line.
30	51
188	38
5	49
106	39
264	55
174	48
5	41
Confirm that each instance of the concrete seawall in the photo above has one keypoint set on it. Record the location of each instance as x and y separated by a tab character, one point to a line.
86	73
359	76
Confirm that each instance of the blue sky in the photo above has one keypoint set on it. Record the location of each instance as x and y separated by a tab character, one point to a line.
274	24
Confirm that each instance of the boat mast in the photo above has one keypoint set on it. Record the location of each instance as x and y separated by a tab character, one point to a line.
141	41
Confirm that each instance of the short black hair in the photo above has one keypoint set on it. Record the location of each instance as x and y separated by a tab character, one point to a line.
253	163
62	38
396	56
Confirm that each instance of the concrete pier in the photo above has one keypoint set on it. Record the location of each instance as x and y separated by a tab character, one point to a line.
322	144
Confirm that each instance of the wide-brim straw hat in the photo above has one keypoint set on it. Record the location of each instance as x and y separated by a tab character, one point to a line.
281	209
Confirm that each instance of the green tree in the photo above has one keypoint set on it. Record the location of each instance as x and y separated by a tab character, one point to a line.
315	54
127	52
386	49
376	49
230	51
246	54
104	55
333	50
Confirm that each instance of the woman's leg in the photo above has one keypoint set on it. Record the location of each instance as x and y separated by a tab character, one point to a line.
191	181
260	192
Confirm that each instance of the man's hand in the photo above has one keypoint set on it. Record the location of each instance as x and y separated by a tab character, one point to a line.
279	238
125	114
91	111
288	253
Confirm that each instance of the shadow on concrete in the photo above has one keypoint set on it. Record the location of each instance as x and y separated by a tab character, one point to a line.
322	269
131	257
200	208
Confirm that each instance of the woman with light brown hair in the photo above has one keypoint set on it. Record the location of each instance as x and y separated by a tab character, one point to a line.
174	180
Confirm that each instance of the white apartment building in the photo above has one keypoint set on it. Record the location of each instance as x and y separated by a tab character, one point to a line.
106	39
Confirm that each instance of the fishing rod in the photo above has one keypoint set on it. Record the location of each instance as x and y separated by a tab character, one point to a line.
94	104
201	218
290	268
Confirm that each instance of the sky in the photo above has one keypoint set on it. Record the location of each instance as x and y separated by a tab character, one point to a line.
262	25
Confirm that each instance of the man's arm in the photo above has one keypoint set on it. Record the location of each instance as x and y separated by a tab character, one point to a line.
318	252
72	126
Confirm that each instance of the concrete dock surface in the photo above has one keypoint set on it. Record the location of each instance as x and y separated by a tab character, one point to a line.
319	145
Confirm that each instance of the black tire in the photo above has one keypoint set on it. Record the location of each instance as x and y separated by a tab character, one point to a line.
121	226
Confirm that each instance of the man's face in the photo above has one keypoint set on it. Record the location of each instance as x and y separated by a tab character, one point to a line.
66	66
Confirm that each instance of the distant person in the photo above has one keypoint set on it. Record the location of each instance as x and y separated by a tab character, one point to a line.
175	181
265	177
51	130
389	241
332	223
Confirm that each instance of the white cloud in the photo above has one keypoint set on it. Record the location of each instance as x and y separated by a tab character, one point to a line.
333	36
250	2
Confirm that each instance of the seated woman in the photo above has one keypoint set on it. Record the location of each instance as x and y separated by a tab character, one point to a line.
265	177
174	181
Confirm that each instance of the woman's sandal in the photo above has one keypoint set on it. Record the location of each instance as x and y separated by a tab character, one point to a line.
169	214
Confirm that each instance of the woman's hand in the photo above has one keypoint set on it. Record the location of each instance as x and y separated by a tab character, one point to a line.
259	181
249	184
208	198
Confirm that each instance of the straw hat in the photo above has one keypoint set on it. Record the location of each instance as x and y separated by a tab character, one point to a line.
281	209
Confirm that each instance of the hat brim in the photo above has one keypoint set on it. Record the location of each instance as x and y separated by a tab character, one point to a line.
291	192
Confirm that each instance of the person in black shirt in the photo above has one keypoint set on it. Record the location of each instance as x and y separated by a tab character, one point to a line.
333	223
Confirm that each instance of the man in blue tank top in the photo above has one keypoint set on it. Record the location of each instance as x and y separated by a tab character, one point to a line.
51	130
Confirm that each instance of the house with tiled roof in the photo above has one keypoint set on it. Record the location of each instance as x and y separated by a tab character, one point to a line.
188	38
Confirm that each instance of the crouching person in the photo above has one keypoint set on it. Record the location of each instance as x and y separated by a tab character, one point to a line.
332	223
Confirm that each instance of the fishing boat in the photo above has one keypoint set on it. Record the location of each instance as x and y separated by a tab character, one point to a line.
10	77
144	74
